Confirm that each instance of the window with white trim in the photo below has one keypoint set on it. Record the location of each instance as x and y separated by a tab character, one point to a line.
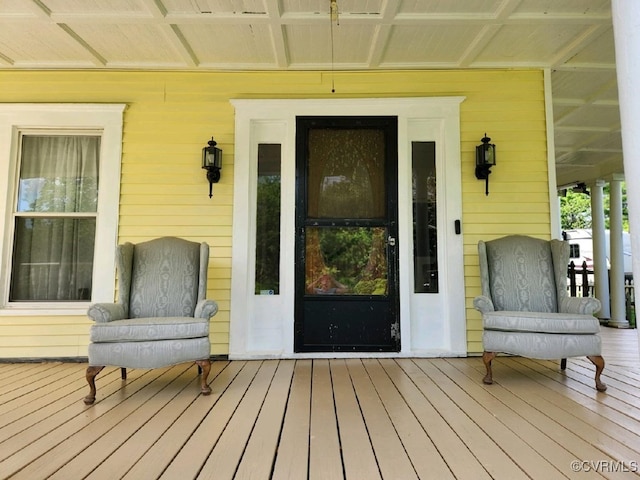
60	165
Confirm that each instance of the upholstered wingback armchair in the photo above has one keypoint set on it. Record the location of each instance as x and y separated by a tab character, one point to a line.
161	317
525	307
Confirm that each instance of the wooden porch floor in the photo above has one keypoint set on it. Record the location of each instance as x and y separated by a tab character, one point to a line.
360	419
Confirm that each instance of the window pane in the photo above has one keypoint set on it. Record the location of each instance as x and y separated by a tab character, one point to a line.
53	253
346	260
52	259
268	220
425	231
59	174
346	173
574	250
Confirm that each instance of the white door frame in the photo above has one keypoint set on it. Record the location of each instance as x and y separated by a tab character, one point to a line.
261	326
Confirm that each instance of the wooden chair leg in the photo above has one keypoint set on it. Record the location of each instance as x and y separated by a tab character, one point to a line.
204	366
91	379
487	357
598	361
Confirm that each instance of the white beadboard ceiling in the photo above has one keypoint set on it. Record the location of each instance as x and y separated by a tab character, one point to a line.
573	38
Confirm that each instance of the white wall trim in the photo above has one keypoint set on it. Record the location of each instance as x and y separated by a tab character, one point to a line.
104	118
554	200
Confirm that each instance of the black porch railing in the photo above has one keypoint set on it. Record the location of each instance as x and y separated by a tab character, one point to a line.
581	284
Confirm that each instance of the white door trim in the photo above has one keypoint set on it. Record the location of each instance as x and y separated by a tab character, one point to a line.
261	326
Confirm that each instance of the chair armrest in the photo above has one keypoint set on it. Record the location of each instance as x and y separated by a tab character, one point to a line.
483	303
580	305
206	309
106	312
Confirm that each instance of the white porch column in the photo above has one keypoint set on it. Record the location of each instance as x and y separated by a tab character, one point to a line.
626	22
600	272
616	256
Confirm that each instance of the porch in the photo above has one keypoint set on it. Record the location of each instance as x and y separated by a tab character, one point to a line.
326	419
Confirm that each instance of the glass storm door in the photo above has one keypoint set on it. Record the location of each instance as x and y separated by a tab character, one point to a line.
346	228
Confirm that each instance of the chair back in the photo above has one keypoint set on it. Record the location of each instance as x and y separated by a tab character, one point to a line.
520	273
165	278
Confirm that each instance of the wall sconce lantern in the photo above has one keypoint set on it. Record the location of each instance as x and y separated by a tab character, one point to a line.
212	163
485	159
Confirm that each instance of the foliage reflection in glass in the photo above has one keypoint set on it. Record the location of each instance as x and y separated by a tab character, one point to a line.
268	220
346	260
425	226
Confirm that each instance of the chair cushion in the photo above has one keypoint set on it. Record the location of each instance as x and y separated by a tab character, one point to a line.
146	329
511	321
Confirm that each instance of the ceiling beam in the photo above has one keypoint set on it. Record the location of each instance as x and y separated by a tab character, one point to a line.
382	33
278	34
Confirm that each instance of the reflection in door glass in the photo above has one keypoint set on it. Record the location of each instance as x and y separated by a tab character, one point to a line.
346	173
346	260
268	220
425	231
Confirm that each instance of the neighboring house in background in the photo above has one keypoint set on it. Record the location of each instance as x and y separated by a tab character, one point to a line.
581	243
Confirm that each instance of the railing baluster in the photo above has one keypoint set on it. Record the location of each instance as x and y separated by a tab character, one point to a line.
585	280
572	279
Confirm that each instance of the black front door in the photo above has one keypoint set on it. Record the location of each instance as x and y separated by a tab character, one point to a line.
346	228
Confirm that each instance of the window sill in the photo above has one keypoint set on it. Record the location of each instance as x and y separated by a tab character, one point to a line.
23	310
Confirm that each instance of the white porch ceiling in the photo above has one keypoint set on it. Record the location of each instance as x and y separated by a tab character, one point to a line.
573	38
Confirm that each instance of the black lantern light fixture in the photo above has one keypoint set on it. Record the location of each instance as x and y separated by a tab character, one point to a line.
212	163
485	159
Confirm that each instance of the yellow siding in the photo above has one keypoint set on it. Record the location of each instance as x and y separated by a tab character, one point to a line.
170	115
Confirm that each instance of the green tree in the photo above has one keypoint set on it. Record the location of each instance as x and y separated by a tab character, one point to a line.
575	211
268	233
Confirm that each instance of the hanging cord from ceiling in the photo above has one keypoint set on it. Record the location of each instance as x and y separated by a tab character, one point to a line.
333	17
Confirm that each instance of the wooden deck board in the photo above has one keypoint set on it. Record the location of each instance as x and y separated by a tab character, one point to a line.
521	415
526	444
460	459
353	419
189	460
15	389
325	462
490	455
581	439
97	452
174	439
145	440
358	456
291	460
36	407
424	456
608	420
257	460
510	454
390	452
75	435
45	421
226	455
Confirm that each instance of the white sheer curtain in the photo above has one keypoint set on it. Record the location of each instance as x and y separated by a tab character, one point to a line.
55	218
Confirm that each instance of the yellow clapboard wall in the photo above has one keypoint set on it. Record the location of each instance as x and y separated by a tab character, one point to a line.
171	115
